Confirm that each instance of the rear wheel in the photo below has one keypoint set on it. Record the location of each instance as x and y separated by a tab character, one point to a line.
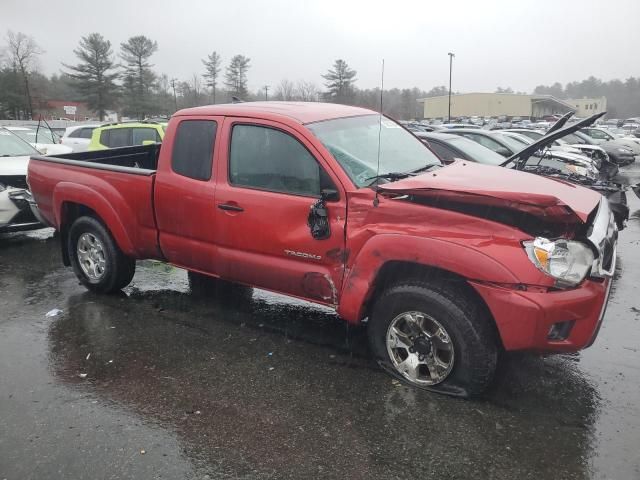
95	257
434	336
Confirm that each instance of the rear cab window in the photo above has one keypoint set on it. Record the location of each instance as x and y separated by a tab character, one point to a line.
193	145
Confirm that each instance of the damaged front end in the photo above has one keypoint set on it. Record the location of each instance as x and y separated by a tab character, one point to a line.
18	211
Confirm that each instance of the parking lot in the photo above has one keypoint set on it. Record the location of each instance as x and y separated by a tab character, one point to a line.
155	383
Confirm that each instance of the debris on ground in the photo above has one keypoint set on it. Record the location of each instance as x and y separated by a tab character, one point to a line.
53	313
142	452
83	375
88	356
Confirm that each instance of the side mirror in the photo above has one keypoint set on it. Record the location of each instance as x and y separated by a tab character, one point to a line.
329	195
503	151
318	220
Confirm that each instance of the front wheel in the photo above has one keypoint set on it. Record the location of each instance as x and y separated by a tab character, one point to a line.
435	337
95	257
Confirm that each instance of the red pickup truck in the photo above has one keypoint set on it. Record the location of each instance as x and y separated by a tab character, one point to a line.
341	206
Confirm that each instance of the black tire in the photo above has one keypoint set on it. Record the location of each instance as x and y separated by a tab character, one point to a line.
465	321
118	269
205	286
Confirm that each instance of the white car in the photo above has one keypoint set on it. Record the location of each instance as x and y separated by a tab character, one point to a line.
42	139
78	137
18	211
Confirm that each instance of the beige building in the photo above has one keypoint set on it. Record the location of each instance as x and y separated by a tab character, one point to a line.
494	105
586	107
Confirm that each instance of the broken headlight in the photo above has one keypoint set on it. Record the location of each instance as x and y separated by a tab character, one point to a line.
582	171
567	261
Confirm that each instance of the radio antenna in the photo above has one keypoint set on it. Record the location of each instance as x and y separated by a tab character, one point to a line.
375	200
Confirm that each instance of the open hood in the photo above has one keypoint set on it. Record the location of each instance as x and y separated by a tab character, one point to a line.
551	137
467	182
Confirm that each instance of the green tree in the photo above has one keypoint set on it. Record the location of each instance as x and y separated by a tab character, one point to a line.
95	76
138	79
235	77
212	71
340	82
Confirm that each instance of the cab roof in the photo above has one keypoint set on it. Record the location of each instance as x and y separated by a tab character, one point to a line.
300	112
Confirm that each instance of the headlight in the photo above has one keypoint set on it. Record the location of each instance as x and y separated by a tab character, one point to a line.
565	260
624	150
2	187
582	171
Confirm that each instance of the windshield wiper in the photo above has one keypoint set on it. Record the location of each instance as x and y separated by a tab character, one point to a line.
426	168
389	176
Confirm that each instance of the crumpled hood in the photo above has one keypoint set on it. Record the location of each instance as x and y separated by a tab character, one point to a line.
467	182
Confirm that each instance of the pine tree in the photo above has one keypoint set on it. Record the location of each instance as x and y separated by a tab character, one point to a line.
94	74
340	82
138	78
212	70
235	77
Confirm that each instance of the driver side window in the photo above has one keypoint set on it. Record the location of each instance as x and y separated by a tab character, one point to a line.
268	159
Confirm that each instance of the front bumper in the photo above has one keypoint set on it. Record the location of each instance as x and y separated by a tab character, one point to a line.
530	317
525	318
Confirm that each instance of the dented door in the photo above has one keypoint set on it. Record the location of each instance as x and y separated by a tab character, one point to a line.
265	191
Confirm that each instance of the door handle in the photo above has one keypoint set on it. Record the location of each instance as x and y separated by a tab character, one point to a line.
229	207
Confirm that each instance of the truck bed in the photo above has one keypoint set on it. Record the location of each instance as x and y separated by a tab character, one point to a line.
144	157
116	185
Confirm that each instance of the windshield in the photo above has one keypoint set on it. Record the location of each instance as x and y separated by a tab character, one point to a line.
475	151
521	139
513	144
43	136
12	146
573	138
354	144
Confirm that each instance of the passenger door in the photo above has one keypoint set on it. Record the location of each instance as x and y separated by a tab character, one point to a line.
185	192
268	182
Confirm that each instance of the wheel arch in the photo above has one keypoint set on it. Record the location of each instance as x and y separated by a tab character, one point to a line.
388	258
73	201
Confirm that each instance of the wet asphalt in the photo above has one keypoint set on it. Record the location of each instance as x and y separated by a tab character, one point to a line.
157	383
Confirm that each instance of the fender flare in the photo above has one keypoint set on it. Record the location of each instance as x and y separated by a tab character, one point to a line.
360	277
110	212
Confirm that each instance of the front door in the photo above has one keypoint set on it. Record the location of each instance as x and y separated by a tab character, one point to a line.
267	185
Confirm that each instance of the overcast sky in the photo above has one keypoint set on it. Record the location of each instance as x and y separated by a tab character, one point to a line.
519	44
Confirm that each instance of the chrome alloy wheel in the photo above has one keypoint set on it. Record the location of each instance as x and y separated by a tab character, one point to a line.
91	256
420	348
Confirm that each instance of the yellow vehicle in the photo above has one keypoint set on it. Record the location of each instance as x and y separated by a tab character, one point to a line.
126	134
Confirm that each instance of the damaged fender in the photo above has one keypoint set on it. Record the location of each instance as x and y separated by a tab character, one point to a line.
462	260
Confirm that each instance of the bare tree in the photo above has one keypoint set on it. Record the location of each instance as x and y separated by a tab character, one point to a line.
307	91
23	51
285	90
212	67
195	88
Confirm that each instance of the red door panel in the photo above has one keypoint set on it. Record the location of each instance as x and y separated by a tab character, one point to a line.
264	239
